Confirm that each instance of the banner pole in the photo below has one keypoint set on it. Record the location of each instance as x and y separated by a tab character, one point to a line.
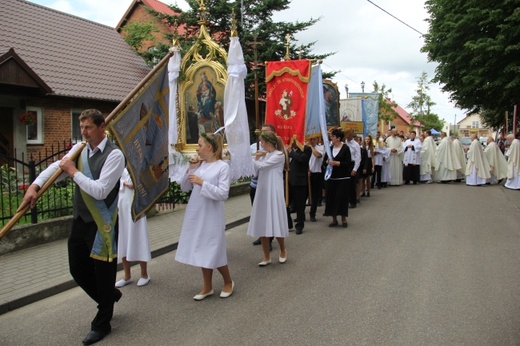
16	217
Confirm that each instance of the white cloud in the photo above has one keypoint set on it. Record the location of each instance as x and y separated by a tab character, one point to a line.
371	45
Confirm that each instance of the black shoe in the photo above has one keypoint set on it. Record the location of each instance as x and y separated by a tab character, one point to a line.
117	295
299	231
368	194
94	336
344	224
363	194
257	242
313	219
352	205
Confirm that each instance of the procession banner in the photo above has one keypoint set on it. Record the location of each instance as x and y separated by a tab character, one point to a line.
141	131
287	97
370	111
314	93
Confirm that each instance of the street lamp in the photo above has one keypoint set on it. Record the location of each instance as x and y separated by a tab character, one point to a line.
362	87
346	89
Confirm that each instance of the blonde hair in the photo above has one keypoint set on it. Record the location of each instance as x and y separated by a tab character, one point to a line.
277	142
216	142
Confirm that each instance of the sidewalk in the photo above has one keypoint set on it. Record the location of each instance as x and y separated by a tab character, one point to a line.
39	272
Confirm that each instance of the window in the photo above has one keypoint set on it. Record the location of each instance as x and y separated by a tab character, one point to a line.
75	131
34	131
475	124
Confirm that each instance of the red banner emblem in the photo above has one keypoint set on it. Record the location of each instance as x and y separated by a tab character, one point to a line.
287	97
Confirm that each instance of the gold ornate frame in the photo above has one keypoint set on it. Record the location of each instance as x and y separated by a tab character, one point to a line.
207	58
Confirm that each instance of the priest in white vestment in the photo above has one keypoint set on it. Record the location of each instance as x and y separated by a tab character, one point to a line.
428	158
477	168
460	155
513	164
497	161
395	146
412	159
447	165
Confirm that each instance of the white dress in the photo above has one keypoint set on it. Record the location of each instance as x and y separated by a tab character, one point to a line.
513	166
202	242
132	241
269	214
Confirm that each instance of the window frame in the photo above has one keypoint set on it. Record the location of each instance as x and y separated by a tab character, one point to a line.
39	126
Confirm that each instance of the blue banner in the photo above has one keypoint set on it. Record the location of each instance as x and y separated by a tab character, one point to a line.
141	131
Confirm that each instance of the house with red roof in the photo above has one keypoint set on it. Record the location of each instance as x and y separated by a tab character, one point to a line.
53	65
402	122
141	11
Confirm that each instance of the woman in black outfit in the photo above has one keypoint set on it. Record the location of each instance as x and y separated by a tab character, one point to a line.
338	185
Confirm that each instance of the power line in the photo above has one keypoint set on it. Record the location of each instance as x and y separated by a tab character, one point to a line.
396	18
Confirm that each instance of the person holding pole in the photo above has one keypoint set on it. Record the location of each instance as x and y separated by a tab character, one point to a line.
92	244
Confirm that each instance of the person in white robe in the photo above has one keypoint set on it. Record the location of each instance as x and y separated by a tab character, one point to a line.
412	159
202	242
460	155
428	158
132	243
386	172
269	213
378	162
477	167
447	165
496	160
513	164
395	146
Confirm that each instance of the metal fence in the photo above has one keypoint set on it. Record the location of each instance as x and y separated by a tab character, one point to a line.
18	172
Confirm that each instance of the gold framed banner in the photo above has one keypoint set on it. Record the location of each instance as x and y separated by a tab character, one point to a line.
331	97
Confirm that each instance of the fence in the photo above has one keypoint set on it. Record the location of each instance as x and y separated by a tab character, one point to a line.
17	173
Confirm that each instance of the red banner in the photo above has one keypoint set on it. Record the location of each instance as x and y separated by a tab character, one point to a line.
287	97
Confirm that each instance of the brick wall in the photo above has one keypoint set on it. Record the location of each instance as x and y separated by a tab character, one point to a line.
57	121
141	15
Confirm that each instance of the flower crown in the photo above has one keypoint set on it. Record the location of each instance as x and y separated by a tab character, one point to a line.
268	138
210	141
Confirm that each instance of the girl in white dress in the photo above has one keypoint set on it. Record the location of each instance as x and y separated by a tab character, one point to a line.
269	214
132	243
202	242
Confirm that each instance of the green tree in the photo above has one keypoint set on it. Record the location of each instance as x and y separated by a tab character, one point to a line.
136	33
477	45
421	105
386	104
254	17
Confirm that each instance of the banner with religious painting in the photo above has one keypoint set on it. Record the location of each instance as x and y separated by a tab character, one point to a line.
204	103
331	97
286	97
370	111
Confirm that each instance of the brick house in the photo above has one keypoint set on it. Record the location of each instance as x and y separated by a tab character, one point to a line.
139	11
54	65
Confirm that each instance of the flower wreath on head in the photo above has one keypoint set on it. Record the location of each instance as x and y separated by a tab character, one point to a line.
269	139
210	141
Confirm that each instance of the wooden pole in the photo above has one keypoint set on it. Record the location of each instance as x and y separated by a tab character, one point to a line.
16	217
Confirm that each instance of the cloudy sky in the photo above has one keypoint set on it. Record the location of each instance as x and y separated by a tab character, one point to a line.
370	44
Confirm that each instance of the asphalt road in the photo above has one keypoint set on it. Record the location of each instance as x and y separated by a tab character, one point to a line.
418	265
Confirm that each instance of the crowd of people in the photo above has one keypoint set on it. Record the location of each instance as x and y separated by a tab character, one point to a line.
288	178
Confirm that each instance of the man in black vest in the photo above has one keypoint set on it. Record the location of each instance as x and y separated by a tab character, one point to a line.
92	241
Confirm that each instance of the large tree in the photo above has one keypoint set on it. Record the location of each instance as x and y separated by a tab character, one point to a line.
421	105
477	46
253	17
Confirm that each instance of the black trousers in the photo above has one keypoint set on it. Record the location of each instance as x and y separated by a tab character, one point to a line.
298	195
97	278
376	177
316	191
411	172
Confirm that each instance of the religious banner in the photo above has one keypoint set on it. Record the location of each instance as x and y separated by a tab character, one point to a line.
286	97
141	131
314	102
370	111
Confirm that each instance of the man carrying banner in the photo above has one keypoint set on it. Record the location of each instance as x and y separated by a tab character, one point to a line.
92	240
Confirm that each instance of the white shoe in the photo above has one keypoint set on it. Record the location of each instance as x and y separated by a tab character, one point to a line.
228	294
264	263
143	281
199	297
123	282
